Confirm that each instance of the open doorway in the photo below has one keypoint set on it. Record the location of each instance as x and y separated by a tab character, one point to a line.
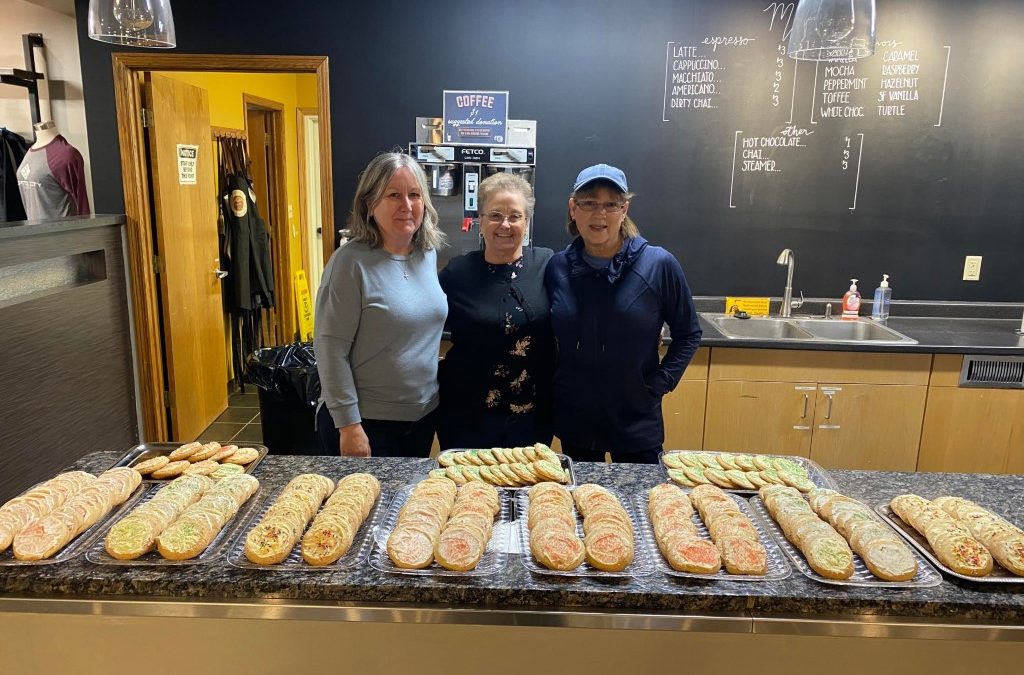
308	123
269	127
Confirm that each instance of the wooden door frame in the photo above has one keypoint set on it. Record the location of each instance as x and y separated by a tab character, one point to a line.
284	313
137	200
300	133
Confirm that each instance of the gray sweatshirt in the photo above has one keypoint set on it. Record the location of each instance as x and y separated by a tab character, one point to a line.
377	332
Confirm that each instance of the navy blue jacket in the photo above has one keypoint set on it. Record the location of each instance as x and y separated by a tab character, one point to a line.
608	381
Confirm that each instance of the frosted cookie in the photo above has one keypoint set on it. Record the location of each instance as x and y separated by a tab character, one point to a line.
206	452
609	549
151	465
172	469
558	549
410	547
203	468
242	456
225	452
185	451
225	470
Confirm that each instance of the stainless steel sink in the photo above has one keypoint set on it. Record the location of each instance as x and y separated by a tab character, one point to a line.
758	328
861	330
805	329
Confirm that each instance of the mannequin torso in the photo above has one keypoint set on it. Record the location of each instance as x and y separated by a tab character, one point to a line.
46	132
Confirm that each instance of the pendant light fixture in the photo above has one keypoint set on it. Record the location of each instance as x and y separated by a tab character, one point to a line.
833	30
135	23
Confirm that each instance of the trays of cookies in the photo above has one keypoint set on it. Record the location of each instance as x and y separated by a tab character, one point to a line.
434	528
738	551
587	531
312	524
742	473
512	468
995	537
161	462
857	572
188	521
57	519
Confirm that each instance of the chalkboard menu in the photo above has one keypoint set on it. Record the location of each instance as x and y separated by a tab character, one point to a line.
903	162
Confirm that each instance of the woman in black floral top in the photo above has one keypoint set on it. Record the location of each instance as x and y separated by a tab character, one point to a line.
496	378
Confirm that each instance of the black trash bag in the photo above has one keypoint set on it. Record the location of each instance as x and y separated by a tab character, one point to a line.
289	388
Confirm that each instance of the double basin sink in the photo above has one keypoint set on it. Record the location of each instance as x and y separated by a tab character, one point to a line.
806	329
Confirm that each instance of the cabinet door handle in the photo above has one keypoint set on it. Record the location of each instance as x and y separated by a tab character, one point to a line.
830	395
803	415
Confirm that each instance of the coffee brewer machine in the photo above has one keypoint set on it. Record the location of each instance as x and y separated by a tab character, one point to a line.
455	172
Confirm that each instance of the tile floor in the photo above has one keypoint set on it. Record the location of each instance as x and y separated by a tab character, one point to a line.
240	422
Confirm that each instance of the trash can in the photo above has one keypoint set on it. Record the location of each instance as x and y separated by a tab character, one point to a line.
289	387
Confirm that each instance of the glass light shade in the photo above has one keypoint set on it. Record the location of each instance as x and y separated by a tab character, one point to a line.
833	30
135	23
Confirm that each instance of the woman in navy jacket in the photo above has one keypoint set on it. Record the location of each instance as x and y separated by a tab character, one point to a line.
611	292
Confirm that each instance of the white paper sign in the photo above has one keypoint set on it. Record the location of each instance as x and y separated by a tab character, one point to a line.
187	155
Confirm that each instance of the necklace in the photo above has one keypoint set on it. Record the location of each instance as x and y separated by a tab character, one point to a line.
401	263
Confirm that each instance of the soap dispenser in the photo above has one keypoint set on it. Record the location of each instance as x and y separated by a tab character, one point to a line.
883	296
851	302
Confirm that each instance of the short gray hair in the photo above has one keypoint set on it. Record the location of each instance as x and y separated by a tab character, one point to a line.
507	182
370	190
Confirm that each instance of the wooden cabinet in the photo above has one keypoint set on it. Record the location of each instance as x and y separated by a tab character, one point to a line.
683	408
770	417
868	426
852	410
971	430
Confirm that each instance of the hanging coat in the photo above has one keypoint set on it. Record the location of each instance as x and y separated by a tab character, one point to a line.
12	151
250	281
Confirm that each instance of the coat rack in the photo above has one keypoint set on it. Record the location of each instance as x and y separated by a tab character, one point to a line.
28	77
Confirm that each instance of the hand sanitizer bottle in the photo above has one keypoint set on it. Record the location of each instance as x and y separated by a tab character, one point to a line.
883	296
851	302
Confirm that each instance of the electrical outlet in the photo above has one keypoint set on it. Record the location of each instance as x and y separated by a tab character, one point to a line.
972	268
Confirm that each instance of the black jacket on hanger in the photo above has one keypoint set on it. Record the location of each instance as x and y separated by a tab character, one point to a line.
12	150
250	281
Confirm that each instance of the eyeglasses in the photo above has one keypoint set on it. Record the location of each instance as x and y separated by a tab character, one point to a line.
497	218
594	205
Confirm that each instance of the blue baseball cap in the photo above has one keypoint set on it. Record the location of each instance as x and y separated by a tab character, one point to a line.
601	172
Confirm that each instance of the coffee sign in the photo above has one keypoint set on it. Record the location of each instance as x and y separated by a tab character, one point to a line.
476	117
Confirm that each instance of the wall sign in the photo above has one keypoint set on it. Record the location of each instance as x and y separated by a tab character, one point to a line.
187	155
477	117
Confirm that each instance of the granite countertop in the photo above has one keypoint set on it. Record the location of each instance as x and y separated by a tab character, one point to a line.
515	587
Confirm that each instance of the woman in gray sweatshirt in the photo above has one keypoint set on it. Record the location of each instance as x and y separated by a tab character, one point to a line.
379	316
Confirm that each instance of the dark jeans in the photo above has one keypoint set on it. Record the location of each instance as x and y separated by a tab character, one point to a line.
581	454
388	438
492	431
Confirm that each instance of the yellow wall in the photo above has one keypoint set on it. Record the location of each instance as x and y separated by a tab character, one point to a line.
227	110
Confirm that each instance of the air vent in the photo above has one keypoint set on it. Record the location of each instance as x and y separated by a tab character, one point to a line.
993	372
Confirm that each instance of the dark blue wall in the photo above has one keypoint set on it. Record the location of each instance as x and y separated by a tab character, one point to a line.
592	73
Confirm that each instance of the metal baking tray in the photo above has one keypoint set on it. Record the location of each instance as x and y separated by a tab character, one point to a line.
998	575
144	451
97	553
817	474
493	560
361	543
82	541
564	460
642	564
778	568
926	577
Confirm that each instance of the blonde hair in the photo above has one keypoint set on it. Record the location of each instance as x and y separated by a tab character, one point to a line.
628	229
507	182
370	190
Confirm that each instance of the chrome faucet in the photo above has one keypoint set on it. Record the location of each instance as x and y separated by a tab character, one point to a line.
788	304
